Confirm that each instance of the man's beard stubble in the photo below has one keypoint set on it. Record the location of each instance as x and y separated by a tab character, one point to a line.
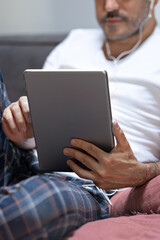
134	26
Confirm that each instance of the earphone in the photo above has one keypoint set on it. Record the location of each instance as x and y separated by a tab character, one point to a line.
150	8
122	54
116	60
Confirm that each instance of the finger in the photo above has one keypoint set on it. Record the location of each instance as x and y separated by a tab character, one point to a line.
80	171
8	121
120	137
89	148
18	117
6	128
86	160
23	102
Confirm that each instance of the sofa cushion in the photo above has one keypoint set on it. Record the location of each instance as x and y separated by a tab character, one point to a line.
143	199
143	227
141	202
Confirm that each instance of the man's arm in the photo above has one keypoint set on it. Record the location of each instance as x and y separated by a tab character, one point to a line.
116	169
14	162
17	125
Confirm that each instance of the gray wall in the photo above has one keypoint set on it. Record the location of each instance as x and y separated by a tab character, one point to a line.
47	16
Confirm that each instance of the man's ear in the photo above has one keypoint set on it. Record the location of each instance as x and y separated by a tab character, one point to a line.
155	3
151	8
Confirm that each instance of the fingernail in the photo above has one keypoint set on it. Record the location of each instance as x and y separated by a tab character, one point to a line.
116	124
65	151
68	162
73	141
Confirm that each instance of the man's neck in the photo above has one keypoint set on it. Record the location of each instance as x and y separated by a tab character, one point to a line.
118	47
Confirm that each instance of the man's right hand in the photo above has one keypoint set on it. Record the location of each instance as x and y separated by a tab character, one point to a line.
16	123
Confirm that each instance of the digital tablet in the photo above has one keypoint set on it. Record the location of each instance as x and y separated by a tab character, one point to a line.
66	104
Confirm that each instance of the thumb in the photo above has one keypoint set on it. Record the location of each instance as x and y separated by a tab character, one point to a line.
120	137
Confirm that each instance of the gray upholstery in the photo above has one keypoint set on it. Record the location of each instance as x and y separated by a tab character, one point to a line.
18	53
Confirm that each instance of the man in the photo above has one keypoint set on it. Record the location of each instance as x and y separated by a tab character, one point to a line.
46	204
128	48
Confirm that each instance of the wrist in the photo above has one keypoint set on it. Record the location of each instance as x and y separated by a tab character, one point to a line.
151	170
154	169
27	144
147	174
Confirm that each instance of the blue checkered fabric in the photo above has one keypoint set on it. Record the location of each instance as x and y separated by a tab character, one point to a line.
40	206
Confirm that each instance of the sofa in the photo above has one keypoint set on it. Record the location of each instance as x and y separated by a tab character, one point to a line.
134	215
135	212
18	53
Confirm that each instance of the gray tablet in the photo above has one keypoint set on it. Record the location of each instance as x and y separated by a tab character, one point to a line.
68	104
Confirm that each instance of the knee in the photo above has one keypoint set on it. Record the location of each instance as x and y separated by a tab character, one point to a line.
45	206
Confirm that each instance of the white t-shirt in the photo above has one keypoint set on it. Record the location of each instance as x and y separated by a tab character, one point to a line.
134	84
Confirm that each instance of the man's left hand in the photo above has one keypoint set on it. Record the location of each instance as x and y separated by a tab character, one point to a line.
116	169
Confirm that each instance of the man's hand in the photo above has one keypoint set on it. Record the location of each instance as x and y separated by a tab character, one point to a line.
116	169
17	125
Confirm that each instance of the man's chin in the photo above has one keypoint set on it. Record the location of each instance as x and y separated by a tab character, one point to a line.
119	37
119	33
115	37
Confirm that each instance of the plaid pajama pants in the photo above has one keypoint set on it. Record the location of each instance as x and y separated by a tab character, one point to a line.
40	206
48	207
